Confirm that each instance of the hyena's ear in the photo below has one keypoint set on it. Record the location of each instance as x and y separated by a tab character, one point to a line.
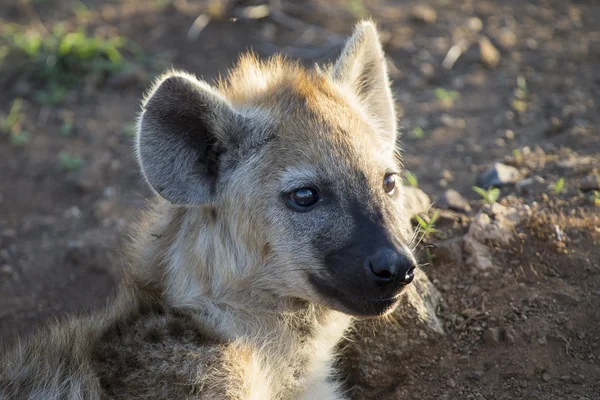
181	134
362	67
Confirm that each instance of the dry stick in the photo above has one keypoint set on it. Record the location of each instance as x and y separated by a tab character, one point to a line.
454	53
277	14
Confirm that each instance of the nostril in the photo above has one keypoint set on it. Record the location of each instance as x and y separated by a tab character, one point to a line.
383	273
409	276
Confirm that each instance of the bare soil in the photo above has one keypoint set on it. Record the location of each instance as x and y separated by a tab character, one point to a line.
527	329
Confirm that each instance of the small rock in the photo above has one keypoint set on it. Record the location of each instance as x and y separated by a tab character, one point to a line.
424	13
416	201
490	55
9	233
81	181
510	336
566	298
590	182
7	270
476	375
546	377
498	175
491	337
530	185
577	164
507	38
475	24
453	200
479	254
450	252
452	122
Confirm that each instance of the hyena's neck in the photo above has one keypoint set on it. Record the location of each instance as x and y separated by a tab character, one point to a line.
193	258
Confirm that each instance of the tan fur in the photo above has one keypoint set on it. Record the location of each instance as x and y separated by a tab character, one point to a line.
216	302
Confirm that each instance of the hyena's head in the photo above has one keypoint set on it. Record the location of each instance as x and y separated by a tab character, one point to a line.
298	170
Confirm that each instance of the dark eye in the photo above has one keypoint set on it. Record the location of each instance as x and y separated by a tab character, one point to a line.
302	199
389	183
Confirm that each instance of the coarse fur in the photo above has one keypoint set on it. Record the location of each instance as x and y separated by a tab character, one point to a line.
230	292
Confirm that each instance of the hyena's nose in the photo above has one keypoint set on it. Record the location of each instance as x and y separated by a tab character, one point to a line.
389	266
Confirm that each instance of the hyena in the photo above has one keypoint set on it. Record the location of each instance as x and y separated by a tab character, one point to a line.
278	218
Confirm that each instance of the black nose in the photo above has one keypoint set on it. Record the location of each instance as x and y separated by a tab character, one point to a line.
388	265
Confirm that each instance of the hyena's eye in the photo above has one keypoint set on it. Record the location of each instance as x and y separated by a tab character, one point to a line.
302	199
389	183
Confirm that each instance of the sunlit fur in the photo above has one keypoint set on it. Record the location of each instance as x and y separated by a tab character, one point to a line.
215	303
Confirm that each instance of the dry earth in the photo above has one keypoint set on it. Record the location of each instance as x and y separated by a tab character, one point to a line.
519	300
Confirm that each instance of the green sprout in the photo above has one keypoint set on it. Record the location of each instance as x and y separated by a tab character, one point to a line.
410	179
559	186
426	228
488	196
70	162
446	97
417	132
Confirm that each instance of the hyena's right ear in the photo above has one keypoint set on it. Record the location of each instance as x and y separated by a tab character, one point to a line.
181	134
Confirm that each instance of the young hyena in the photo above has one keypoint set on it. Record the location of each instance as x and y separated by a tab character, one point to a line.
277	219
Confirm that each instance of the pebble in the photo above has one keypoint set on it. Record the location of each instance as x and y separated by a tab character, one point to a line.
590	182
530	185
490	56
546	377
510	335
416	201
453	200
492	336
424	13
7	269
476	375
498	175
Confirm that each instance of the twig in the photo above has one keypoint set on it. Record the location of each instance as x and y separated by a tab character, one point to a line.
309	32
198	26
454	53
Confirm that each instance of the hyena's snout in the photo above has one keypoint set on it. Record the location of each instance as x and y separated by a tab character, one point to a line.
389	267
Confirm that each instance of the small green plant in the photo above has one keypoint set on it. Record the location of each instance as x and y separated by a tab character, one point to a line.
559	186
519	102
595	197
417	132
446	97
67	128
13	124
426	228
517	155
59	59
15	117
410	179
519	105
70	162
488	196
21	138
429	256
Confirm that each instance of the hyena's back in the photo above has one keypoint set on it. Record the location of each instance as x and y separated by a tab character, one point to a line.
153	352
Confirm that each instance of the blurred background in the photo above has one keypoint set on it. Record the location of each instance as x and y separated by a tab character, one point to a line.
476	81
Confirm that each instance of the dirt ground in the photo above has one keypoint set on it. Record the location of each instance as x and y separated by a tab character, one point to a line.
525	329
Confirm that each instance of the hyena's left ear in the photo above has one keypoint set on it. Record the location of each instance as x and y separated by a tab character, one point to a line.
182	132
362	67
